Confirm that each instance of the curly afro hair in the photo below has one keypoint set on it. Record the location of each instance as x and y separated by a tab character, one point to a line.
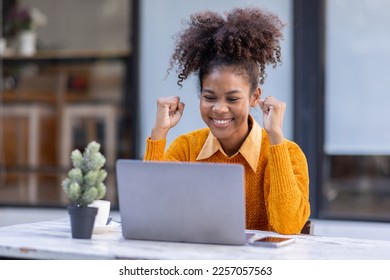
245	39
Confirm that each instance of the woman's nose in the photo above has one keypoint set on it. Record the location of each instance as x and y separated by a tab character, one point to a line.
220	107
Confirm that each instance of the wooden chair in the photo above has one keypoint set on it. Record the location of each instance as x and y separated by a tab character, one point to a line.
308	228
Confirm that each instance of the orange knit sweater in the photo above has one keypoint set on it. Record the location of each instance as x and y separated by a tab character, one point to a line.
277	194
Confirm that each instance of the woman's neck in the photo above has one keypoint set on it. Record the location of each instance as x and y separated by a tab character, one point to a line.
231	146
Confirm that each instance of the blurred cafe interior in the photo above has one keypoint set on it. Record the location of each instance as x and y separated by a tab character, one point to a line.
96	67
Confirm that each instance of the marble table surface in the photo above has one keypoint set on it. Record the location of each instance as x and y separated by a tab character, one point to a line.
52	240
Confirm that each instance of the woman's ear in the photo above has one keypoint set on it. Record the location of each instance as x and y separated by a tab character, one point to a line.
255	96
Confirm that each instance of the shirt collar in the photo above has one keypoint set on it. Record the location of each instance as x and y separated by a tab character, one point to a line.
250	149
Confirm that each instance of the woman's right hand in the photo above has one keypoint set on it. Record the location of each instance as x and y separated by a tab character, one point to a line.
169	112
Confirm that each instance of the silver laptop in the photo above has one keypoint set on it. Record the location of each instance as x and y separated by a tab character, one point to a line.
182	202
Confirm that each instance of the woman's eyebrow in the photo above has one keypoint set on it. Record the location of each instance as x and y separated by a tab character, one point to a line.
233	91
229	92
208	91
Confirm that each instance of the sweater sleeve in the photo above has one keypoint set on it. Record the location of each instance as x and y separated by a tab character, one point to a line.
288	196
177	151
155	149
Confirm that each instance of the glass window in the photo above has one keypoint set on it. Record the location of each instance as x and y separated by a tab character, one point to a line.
357	117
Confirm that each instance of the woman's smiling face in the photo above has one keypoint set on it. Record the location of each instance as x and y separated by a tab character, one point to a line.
225	103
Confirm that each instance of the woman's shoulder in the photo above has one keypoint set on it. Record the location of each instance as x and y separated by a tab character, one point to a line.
190	143
195	135
199	135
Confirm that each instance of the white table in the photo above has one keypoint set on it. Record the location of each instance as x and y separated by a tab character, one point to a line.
52	240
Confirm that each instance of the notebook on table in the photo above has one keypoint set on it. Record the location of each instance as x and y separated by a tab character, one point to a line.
182	202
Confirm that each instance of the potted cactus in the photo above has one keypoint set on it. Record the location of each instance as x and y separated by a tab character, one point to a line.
83	185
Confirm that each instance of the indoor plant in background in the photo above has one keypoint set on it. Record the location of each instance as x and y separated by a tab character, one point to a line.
21	25
84	185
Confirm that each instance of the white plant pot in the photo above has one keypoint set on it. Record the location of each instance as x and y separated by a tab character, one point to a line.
27	43
3	45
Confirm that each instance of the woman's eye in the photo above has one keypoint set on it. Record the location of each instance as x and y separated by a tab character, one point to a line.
232	99
208	97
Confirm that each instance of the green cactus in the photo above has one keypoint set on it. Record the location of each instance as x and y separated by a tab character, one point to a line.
85	180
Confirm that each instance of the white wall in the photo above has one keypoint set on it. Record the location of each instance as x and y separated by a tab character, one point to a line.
160	20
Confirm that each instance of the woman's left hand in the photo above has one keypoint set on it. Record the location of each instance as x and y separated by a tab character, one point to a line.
273	114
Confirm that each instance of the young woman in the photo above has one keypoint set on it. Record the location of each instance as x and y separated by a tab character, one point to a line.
229	55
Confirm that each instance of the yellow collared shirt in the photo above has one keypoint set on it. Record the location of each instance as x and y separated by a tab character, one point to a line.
250	149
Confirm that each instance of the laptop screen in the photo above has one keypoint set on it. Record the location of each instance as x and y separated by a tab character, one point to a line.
182	202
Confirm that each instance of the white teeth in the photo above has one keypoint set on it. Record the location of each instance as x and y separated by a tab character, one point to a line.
222	121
